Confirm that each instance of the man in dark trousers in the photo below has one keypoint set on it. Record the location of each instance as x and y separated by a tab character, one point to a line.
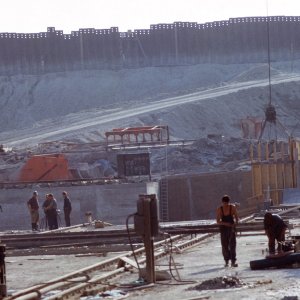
33	207
275	230
227	218
50	209
67	208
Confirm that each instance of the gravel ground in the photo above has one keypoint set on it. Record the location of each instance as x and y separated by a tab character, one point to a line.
204	264
198	265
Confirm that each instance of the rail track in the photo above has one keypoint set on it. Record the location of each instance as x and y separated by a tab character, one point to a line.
65	239
96	278
111	236
102	276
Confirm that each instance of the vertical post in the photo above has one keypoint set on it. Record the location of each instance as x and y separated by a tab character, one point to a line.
81	49
3	290
259	151
267	151
148	241
294	162
273	174
146	224
274	151
176	44
251	153
266	172
282	165
282	151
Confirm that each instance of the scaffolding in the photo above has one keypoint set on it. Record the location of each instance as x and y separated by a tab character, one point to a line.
132	135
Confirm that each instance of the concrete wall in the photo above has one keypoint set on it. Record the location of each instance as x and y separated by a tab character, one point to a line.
111	203
237	40
190	197
193	197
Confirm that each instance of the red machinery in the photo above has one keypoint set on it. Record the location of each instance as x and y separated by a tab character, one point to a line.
143	134
46	167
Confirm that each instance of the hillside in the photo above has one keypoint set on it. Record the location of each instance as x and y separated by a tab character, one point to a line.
195	101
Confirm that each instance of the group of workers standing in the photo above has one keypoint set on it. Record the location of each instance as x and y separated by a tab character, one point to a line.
227	218
50	209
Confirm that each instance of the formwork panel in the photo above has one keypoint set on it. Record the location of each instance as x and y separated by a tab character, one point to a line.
178	198
256	177
192	197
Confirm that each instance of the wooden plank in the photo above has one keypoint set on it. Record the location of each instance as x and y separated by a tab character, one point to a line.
288	210
256	170
125	260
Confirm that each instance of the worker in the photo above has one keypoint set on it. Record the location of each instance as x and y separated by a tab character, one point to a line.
227	218
33	207
50	209
275	230
67	208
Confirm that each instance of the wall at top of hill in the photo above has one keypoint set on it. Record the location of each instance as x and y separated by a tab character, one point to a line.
237	40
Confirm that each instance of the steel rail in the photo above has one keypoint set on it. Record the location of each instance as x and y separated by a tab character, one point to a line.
213	230
39	289
63	235
71	292
65	239
112	236
114	232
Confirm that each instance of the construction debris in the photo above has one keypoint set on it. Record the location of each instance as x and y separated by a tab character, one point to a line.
225	282
113	294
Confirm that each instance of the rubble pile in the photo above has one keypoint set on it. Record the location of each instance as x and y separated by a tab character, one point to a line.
225	282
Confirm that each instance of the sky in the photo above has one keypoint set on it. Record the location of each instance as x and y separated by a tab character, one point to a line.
30	16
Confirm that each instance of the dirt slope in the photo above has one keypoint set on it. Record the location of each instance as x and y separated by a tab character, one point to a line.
194	101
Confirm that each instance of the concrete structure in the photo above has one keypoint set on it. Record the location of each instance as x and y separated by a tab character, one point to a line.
180	198
196	196
188	197
275	167
237	40
109	202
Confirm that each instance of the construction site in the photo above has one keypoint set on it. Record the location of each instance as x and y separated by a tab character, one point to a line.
146	145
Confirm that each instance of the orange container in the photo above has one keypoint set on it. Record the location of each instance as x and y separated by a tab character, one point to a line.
48	167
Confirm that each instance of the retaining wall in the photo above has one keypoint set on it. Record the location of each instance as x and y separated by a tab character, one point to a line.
193	197
190	197
237	40
110	203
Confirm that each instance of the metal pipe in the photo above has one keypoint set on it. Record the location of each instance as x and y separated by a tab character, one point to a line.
32	293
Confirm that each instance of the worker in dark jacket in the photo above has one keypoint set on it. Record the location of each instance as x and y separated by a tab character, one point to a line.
67	209
275	229
227	218
33	207
50	209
